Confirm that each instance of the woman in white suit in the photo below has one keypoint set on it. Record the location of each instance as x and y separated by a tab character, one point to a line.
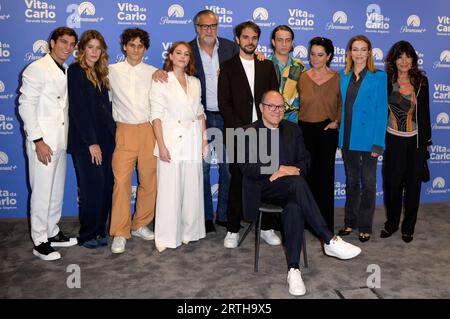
179	124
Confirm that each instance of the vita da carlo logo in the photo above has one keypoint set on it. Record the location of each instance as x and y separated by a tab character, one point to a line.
441	93
375	21
339	58
339	22
412	25
261	17
83	12
175	15
131	14
443	25
6	125
301	19
5	52
225	15
40	48
8	199
439	154
38	11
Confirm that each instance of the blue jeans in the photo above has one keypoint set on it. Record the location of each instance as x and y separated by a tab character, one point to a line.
214	119
361	187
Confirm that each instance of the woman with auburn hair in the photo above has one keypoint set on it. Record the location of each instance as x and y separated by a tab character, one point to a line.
91	137
362	133
179	124
407	138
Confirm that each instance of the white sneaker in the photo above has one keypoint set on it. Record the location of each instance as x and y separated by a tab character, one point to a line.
341	249
118	244
144	233
295	282
231	240
270	237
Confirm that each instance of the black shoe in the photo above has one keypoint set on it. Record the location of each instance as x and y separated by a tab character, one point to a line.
102	241
345	231
221	223
363	237
407	238
91	244
60	240
385	234
45	252
209	226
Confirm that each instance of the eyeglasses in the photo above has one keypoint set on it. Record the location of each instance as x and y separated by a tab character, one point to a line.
205	27
273	107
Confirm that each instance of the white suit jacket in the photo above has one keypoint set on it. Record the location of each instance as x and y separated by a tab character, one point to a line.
179	114
43	104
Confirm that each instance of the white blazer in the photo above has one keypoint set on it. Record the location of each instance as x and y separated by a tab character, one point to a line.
43	104
179	114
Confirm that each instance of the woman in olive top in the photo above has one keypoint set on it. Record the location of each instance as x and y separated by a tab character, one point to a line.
319	117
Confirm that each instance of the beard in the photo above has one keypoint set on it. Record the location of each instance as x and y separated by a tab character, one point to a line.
249	51
209	40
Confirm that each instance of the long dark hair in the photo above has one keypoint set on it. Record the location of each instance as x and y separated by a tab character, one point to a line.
415	74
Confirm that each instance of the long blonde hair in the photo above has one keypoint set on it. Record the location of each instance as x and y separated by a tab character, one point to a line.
370	63
98	75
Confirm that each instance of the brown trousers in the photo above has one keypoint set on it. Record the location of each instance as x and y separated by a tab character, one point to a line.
135	143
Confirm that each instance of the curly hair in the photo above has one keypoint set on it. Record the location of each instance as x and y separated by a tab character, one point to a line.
133	33
168	63
370	63
98	75
415	74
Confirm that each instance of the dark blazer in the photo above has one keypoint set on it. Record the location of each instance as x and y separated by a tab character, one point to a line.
234	94
295	154
227	49
423	112
90	115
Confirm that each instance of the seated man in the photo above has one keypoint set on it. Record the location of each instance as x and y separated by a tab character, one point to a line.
284	185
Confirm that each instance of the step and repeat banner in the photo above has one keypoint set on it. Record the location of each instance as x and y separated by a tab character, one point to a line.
25	26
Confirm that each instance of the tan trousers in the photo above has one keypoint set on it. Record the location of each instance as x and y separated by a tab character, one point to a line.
135	143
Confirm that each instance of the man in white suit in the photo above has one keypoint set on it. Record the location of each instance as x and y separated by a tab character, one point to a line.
43	107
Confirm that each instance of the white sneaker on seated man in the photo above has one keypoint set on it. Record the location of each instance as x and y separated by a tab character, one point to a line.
269	236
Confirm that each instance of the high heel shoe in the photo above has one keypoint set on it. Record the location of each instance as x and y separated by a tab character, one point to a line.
345	231
363	237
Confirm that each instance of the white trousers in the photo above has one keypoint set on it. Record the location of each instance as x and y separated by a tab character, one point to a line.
179	204
47	192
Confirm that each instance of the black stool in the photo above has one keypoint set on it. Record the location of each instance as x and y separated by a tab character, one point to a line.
271	209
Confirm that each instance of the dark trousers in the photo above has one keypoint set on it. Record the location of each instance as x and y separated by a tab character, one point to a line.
321	145
294	195
402	169
214	119
361	187
95	185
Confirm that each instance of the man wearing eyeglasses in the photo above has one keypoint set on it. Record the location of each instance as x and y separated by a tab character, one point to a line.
285	186
242	82
209	51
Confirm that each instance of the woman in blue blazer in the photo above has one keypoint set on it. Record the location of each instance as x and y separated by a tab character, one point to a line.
362	133
91	137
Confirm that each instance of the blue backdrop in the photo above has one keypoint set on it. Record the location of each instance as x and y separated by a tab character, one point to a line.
26	24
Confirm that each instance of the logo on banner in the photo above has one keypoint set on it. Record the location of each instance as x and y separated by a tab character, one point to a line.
267	51
4	160
6	125
441	93
444	60
439	154
4	16
412	25
443	26
339	190
131	14
2	90
261	17
8	200
300	52
121	57
442	122
175	15
301	20
40	48
4	52
166	46
339	58
38	11
378	56
133	194
375	21
438	186
225	16
83	12
339	22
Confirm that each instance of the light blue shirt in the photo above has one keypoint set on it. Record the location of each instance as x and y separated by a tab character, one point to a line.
211	67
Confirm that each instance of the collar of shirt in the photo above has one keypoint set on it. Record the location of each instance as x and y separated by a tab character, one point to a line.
60	66
130	67
362	74
280	65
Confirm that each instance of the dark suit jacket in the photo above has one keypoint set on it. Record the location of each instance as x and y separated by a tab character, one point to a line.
234	94
294	154
226	51
90	115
